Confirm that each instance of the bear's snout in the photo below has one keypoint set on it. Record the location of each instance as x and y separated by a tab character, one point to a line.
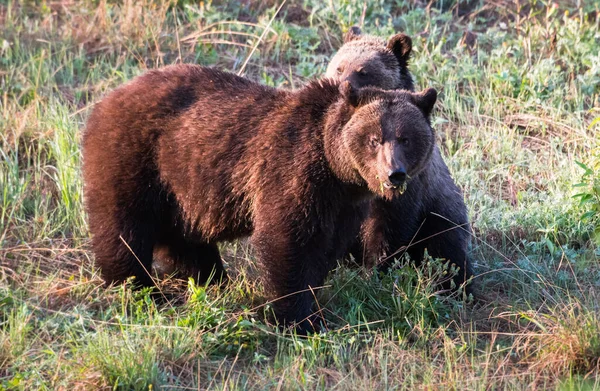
397	177
392	168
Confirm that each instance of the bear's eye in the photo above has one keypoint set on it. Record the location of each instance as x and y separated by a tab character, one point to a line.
374	142
340	70
403	141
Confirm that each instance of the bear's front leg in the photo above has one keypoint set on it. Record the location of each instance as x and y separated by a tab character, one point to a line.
296	268
372	244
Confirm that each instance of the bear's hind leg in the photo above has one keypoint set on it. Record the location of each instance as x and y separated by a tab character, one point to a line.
126	253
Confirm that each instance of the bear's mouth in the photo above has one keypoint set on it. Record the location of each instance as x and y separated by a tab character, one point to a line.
400	188
386	185
389	185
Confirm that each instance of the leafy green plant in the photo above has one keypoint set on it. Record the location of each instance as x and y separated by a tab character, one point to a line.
589	190
405	298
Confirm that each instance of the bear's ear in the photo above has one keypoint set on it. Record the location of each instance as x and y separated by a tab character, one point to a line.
349	93
352	34
425	100
401	46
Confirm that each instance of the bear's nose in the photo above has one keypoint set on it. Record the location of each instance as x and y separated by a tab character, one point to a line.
397	177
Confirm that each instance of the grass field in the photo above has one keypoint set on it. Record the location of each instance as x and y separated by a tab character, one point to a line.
519	106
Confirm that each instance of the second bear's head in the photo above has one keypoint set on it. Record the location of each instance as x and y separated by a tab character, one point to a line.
380	139
366	60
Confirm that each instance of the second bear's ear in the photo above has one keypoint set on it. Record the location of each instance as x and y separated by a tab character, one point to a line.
352	34
425	100
401	46
349	93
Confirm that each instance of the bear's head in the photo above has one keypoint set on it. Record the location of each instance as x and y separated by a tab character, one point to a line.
365	60
380	139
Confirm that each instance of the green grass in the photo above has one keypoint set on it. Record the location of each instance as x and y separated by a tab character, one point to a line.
519	87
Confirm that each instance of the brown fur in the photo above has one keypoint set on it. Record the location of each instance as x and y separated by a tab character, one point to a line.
182	158
366	60
412	220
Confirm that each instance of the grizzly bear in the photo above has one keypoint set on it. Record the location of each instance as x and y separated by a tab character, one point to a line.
184	157
366	60
431	214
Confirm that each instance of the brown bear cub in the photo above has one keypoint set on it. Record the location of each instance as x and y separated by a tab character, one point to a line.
182	158
366	60
431	214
